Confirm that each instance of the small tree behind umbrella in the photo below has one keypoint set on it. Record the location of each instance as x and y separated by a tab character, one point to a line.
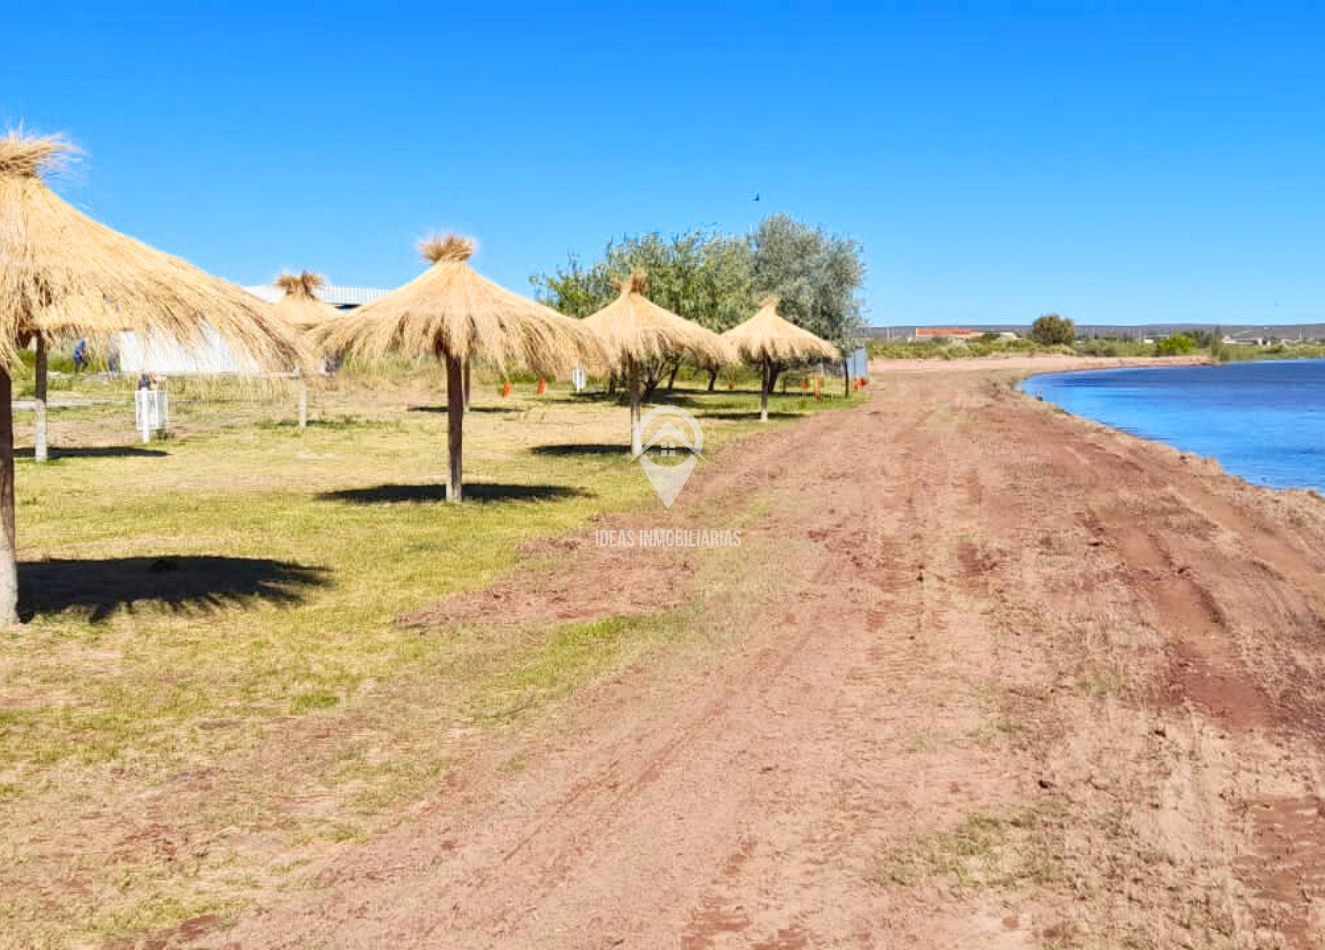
635	332
303	309
770	341
64	276
453	314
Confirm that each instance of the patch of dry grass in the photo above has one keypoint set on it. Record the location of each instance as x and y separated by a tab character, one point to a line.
212	688
999	851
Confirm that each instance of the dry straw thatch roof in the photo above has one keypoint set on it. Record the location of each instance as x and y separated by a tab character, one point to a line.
451	310
301	306
769	338
636	330
63	274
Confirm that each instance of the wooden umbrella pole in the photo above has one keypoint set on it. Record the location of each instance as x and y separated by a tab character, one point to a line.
467	387
636	437
765	386
303	402
455	425
39	452
8	535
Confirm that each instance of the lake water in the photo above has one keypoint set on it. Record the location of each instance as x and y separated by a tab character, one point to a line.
1264	422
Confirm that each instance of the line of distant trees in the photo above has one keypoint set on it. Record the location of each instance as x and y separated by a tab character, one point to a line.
718	280
1053	330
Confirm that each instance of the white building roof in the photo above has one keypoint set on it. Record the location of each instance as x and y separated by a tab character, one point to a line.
336	296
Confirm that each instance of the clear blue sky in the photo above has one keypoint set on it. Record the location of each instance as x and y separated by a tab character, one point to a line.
1114	162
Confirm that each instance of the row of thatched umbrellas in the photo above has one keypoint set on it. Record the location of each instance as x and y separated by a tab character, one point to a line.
63	275
453	313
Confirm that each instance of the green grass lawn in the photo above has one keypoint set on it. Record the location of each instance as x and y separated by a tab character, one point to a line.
212	687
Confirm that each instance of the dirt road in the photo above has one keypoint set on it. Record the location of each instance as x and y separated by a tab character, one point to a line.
980	675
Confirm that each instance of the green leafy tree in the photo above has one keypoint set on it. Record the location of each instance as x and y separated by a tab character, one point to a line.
684	277
1053	330
1177	345
717	280
700	275
816	275
574	289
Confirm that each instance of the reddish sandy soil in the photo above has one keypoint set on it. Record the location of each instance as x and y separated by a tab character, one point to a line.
981	675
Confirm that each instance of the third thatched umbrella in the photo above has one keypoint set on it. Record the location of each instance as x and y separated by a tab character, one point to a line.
636	331
451	313
63	275
302	308
768	340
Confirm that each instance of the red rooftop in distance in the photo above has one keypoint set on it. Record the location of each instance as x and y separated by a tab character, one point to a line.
947	333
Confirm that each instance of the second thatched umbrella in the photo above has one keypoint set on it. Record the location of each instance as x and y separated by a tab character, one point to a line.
63	275
302	308
451	313
768	340
635	332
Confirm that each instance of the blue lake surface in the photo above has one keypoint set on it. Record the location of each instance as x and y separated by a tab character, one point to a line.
1264	422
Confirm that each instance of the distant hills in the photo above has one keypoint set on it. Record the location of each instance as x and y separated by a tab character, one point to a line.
1310	332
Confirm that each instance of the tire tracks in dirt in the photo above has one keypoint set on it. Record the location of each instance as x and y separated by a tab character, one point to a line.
987	676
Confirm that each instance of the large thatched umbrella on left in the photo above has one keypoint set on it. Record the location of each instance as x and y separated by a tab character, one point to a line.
451	313
302	308
770	341
63	275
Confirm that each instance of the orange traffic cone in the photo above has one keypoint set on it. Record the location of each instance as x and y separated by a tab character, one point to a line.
542	387
506	391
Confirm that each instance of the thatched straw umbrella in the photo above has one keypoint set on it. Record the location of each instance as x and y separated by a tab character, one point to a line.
63	275
636	331
767	340
451	313
301	308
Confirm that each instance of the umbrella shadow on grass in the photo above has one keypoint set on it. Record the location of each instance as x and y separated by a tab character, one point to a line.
745	416
95	452
571	449
443	410
691	399
184	583
474	491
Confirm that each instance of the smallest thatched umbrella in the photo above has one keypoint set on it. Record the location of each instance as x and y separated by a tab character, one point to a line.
302	308
768	339
636	331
